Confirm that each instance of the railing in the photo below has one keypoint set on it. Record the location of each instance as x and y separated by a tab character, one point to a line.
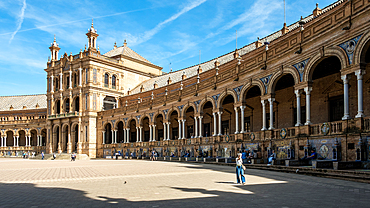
64	115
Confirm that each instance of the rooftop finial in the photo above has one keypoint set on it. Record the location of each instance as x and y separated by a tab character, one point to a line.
92	22
54	38
236	39
124	43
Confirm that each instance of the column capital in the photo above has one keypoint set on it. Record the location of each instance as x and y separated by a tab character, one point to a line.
242	107
297	92
359	73
200	117
345	78
263	102
271	100
307	90
219	112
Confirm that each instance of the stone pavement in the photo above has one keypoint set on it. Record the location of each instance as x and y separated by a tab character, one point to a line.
101	183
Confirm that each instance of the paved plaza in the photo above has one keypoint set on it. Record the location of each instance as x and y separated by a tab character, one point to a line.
137	183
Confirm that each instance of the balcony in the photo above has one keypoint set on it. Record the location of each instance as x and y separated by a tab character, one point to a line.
64	115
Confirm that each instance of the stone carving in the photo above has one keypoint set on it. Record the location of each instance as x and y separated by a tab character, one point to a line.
266	81
349	47
300	68
238	90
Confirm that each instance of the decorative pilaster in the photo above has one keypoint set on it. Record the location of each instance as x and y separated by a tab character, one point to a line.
219	123
298	96
242	119
263	102
346	99
360	111
236	120
308	90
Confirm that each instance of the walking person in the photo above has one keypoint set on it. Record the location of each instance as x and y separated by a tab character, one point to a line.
240	169
42	155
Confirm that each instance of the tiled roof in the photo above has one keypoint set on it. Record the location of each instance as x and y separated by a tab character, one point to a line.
192	71
17	102
124	50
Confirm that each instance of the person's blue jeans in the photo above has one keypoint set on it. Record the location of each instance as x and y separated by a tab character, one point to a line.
240	173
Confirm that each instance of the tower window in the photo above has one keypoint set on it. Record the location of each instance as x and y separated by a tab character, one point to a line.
114	82
106	80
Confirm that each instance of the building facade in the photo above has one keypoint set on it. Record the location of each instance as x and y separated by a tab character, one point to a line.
303	87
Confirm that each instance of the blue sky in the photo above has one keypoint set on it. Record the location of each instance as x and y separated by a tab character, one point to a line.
162	31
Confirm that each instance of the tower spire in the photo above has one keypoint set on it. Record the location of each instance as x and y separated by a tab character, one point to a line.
92	36
54	49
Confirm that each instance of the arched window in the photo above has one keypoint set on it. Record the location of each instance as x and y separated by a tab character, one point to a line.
56	84
67	105
57	106
114	82
106	80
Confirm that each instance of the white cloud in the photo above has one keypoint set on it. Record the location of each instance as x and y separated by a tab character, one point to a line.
150	33
19	21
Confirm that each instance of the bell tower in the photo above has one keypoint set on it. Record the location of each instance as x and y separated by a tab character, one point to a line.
54	49
92	36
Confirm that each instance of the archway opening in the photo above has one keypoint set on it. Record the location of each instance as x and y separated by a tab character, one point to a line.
146	130
159	127
285	102
76	136
189	115
109	103
22	138
9	139
174	117
65	139
43	137
108	134
120	132
207	121
327	90
133	130
33	134
252	118
228	116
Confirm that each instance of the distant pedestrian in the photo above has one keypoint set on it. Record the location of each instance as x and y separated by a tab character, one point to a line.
42	155
240	169
54	156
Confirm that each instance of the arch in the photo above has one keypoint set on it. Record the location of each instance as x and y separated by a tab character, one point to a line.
142	119
43	134
106	123
361	48
145	122
318	57
156	114
171	110
22	137
276	77
249	85
33	133
224	95
186	107
204	101
55	128
108	133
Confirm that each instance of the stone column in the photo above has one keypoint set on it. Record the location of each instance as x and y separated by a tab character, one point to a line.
242	119
214	124
346	99
5	141
128	135
308	90
164	132
141	134
219	123
137	134
61	81
183	129
115	136
271	101
168	130
26	141
236	120
103	137
2	142
17	141
263	102
200	127
70	79
112	132
52	83
360	110
298	96
179	129
150	133
154	132
14	142
195	127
